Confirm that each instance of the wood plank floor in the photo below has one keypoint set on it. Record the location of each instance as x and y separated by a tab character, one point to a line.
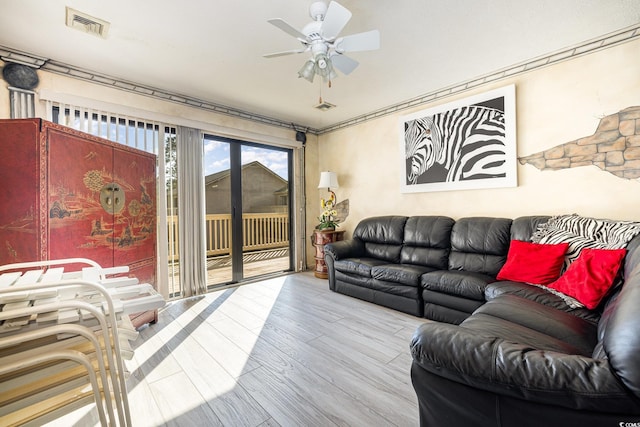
281	352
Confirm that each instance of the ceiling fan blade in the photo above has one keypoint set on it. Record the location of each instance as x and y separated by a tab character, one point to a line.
343	63
334	21
286	52
287	29
369	40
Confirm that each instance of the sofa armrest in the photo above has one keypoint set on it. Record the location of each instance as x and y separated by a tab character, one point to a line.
342	249
519	371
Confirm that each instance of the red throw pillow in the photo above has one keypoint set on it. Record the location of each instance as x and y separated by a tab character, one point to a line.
590	276
537	263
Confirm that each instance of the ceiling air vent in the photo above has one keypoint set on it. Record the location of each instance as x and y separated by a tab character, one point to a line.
324	106
88	24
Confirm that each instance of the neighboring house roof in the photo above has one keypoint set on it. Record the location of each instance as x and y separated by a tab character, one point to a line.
214	177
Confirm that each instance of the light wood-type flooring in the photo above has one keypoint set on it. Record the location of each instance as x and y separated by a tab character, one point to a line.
285	351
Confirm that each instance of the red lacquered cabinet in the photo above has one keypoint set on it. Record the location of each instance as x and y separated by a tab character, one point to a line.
70	194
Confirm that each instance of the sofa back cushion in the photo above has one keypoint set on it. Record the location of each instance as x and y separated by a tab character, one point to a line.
609	305
621	338
480	244
632	260
382	237
523	227
427	241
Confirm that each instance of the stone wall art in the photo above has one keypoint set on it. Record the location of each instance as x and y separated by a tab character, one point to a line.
614	148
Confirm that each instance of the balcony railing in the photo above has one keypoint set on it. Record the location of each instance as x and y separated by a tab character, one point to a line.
259	230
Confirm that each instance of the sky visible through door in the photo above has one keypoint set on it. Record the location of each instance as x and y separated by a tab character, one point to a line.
216	158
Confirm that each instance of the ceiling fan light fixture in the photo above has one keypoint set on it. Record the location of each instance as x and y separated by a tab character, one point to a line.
322	62
308	71
323	66
331	76
320	37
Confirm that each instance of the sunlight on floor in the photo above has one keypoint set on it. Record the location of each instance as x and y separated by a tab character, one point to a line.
224	349
165	359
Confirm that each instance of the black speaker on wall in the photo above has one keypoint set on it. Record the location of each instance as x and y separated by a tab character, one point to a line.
20	76
301	137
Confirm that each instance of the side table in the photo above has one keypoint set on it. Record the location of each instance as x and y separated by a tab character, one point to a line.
318	240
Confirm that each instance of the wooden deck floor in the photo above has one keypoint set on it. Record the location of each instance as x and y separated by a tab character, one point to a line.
255	264
279	352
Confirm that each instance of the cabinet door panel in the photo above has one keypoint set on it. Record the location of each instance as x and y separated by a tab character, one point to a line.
135	222
21	227
80	170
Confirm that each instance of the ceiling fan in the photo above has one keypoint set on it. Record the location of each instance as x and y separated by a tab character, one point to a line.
320	37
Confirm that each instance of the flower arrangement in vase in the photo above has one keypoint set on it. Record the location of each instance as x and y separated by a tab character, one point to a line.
328	217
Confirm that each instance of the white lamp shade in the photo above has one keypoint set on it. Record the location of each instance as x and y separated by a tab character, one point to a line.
328	180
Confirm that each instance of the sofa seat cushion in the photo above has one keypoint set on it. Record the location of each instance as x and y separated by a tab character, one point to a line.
490	328
448	308
405	274
454	302
540	296
398	289
358	266
380	286
467	284
527	322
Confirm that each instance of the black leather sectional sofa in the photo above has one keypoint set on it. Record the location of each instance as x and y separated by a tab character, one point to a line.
499	353
429	266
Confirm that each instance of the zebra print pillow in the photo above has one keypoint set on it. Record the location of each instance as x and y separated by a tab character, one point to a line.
583	232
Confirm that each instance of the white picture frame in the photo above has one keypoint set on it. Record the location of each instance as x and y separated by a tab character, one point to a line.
461	145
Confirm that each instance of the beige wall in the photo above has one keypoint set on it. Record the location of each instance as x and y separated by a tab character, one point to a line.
554	105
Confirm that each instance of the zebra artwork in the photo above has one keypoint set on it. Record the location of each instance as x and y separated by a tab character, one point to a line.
456	145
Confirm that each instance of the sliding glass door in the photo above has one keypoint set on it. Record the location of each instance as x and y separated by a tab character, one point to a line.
218	209
266	214
248	215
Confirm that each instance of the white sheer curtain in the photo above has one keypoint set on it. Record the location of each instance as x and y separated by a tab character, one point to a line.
191	211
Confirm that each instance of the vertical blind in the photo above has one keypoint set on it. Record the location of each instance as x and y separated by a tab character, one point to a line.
22	103
134	132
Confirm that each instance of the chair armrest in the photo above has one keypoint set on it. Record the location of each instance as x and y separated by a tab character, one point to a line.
519	371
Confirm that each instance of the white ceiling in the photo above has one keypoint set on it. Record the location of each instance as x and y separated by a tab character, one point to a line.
212	49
